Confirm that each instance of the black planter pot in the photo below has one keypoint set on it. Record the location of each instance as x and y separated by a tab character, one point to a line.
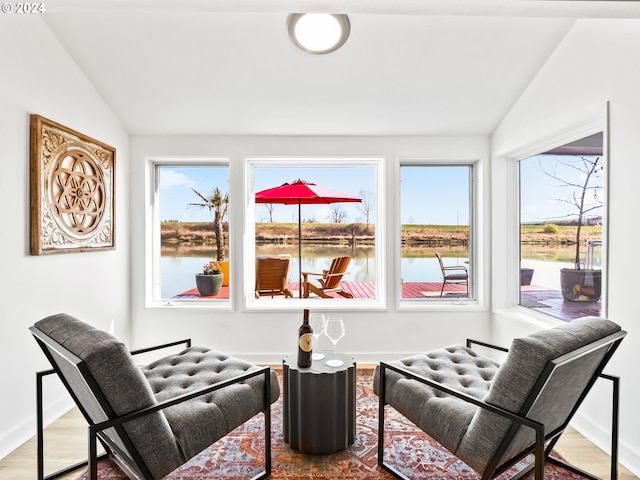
526	275
209	285
581	285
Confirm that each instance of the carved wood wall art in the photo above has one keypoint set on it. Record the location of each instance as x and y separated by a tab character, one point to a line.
72	190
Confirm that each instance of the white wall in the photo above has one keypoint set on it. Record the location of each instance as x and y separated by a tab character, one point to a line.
596	63
37	76
268	336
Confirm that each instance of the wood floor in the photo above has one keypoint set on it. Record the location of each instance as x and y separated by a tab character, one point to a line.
65	444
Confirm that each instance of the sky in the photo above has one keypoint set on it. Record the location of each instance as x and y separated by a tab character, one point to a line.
544	198
437	195
176	184
349	180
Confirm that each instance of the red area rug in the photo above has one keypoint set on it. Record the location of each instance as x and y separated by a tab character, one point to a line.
239	455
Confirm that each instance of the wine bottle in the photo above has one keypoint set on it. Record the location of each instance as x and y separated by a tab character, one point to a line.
305	342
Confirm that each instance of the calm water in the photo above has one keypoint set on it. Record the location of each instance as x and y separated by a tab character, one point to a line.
417	265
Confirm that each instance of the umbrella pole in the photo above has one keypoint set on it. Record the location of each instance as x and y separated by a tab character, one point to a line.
299	252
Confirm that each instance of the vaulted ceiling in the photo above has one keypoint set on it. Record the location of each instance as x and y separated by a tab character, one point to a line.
427	67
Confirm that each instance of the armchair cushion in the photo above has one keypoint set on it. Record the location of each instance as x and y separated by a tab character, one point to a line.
199	422
440	415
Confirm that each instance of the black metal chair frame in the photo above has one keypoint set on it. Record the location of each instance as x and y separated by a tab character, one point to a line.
96	432
519	419
452	268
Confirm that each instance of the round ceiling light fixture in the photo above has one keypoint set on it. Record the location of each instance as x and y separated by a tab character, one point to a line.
318	33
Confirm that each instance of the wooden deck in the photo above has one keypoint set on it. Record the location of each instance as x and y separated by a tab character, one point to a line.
358	290
549	302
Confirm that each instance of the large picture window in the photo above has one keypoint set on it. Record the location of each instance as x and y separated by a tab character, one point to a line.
562	203
436	234
319	219
191	234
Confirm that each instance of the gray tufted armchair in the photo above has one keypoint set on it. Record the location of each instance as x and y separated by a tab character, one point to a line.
151	419
491	414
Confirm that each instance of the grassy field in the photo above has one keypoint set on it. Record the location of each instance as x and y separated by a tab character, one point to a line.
202	232
566	234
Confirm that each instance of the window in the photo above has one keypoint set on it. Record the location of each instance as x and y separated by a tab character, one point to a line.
333	225
435	215
190	230
562	202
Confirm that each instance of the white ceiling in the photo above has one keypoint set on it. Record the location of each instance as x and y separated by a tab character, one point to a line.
430	67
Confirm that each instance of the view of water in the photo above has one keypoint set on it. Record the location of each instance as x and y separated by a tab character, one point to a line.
178	268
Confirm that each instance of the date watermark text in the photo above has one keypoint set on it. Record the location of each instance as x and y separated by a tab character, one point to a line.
20	8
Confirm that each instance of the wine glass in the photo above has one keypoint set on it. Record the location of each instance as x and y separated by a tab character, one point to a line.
335	331
319	323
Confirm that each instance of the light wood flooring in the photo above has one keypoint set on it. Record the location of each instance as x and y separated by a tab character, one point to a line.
65	444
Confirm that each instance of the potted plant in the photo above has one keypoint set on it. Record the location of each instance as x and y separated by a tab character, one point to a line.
581	284
218	203
209	282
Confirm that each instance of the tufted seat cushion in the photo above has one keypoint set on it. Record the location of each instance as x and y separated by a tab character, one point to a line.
198	423
442	416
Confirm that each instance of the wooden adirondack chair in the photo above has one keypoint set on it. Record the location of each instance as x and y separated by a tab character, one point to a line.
331	280
272	273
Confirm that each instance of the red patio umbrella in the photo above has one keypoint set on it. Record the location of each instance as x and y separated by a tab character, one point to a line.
298	193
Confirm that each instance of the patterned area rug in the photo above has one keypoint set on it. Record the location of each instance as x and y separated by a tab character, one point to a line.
239	455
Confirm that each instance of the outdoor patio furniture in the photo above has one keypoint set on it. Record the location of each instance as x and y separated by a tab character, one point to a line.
331	281
301	192
272	274
449	275
152	419
491	414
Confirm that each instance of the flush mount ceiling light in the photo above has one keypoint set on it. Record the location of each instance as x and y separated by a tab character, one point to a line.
318	33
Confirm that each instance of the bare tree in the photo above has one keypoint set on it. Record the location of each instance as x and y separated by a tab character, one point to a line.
584	196
270	209
338	215
366	206
217	203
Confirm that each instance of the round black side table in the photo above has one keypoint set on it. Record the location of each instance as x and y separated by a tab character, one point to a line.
319	414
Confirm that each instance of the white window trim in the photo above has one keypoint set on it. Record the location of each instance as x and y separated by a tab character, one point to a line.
152	236
597	121
476	287
250	303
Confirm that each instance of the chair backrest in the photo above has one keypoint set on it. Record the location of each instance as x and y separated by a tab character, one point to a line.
440	262
545	377
101	376
272	272
336	271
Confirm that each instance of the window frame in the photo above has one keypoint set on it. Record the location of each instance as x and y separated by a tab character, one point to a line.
561	139
152	234
250	303
507	289
476	290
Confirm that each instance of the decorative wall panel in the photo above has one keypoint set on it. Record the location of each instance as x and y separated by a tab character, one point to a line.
72	190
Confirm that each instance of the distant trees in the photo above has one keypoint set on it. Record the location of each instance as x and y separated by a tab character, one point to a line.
338	214
270	209
366	206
